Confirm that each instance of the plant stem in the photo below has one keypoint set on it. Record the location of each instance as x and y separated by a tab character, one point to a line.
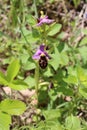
35	8
37	85
37	78
44	34
44	28
28	47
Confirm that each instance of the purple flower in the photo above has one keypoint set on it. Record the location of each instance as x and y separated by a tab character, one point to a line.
43	20
39	52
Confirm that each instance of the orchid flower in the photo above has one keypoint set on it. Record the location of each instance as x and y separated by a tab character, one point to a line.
44	20
39	52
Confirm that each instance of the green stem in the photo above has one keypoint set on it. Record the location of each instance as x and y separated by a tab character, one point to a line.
28	47
37	85
37	79
44	34
35	8
73	53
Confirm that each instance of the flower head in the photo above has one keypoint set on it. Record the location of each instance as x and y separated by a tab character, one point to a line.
41	51
43	20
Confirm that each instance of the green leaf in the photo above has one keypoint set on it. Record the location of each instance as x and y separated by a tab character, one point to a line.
31	38
13	70
48	72
30	81
65	90
24	58
18	85
55	28
51	114
83	41
35	33
55	61
71	79
83	53
53	125
53	94
64	58
12	107
3	80
62	35
5	121
76	3
83	91
29	66
72	123
32	21
49	125
82	75
58	58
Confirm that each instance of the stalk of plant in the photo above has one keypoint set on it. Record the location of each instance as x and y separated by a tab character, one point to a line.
42	22
35	8
37	78
37	56
41	56
44	34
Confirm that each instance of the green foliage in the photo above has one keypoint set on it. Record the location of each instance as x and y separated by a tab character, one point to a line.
8	79
12	107
55	28
49	125
82	76
16	8
51	114
9	107
76	2
51	121
83	41
55	59
72	123
82	51
58	58
71	79
12	70
32	21
30	81
79	78
5	121
61	87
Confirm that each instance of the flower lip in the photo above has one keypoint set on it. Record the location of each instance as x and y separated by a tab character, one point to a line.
41	51
43	20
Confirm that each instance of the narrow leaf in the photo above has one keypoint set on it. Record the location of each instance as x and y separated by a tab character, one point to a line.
12	70
3	80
